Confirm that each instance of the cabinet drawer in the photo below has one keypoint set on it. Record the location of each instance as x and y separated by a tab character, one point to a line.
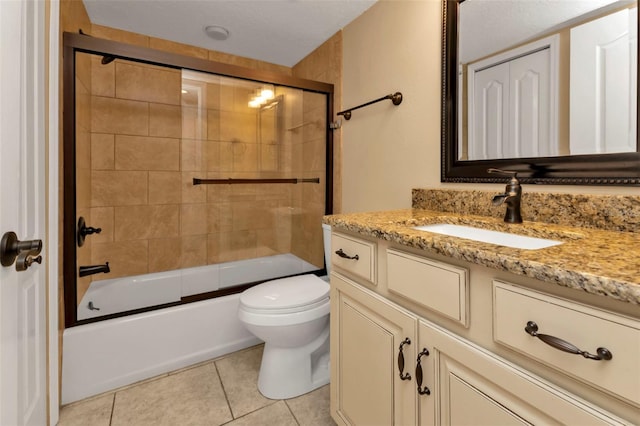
435	285
586	328
354	255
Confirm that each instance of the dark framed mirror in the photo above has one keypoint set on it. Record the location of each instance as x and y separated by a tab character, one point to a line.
564	164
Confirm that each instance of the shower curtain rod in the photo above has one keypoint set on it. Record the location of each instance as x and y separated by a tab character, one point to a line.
230	181
396	98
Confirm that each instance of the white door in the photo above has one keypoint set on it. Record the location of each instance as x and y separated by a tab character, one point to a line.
604	79
23	386
489	126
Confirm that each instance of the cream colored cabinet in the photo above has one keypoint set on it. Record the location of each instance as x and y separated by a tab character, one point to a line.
369	339
394	363
471	386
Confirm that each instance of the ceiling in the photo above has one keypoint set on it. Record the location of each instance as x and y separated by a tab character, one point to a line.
487	26
278	31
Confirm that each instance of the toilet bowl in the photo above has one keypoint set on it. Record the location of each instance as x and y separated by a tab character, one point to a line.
291	316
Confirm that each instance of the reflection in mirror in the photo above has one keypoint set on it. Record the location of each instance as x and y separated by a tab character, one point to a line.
143	133
542	88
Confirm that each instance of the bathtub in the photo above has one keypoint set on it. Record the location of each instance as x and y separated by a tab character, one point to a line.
105	355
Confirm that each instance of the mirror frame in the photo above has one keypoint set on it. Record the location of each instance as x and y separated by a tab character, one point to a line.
593	169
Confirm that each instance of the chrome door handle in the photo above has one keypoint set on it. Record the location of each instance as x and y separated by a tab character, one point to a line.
11	247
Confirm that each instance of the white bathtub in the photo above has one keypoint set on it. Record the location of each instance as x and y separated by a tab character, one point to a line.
105	355
127	293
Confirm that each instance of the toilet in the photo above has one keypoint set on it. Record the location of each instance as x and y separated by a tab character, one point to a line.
291	316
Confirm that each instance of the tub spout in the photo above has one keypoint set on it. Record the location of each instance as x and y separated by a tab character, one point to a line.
94	269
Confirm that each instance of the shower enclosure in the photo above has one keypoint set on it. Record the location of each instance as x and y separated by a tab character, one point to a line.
186	179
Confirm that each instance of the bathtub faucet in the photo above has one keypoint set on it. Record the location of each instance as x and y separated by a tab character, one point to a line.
94	269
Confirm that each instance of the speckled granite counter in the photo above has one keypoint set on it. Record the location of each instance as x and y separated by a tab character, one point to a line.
598	261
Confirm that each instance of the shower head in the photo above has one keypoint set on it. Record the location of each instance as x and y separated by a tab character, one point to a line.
107	59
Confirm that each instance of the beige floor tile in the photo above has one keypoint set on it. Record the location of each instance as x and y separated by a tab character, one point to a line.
191	397
312	409
239	374
93	411
275	414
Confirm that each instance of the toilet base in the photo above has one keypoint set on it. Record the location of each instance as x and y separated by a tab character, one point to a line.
287	373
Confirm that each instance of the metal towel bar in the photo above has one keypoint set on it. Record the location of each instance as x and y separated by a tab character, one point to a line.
396	98
231	181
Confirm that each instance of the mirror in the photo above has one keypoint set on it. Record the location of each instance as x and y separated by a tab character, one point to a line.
546	129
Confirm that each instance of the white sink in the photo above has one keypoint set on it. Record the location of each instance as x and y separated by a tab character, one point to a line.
487	236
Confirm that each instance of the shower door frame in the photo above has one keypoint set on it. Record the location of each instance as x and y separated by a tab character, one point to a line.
81	43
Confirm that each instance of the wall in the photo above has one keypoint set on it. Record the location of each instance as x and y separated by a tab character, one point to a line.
388	150
325	64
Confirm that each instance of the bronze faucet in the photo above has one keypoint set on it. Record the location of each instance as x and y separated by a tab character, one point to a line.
511	197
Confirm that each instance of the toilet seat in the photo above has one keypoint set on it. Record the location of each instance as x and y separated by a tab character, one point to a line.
286	295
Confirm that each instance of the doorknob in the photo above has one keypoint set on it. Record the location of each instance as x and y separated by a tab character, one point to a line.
11	247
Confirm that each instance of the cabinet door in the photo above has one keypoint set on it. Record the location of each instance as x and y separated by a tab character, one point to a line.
471	386
366	334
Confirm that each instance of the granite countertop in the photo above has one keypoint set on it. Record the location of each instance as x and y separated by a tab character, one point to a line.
600	262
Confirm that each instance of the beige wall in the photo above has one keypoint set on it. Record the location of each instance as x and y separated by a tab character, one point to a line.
395	46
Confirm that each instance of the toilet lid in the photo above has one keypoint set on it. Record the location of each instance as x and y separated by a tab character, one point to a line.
292	292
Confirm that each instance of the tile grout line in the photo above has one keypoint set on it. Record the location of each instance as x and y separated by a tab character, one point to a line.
292	413
113	408
273	402
226	398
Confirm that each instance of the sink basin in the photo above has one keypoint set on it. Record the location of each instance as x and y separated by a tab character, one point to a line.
487	236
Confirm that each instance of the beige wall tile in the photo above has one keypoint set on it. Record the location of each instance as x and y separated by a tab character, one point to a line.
109	115
165	254
219	217
218	193
118	188
125	258
313	157
245	157
165	188
165	120
238	126
102	151
243	244
191	155
213	124
147	153
213	95
194	251
194	122
84	188
145	222
193	219
253	215
102	217
151	84
193	193
103	77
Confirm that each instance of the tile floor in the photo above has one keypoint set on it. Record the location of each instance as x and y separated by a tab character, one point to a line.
223	391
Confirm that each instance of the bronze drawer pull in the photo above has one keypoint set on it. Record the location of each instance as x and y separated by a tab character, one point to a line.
344	255
563	345
403	375
421	390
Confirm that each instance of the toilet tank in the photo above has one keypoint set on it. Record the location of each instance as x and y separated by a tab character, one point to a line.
326	238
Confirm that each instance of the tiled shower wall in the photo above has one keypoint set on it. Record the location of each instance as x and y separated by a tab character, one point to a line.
147	143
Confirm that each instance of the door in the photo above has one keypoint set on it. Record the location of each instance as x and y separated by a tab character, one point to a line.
604	76
23	385
370	340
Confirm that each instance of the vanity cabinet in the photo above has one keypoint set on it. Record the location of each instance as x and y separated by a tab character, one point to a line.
401	354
